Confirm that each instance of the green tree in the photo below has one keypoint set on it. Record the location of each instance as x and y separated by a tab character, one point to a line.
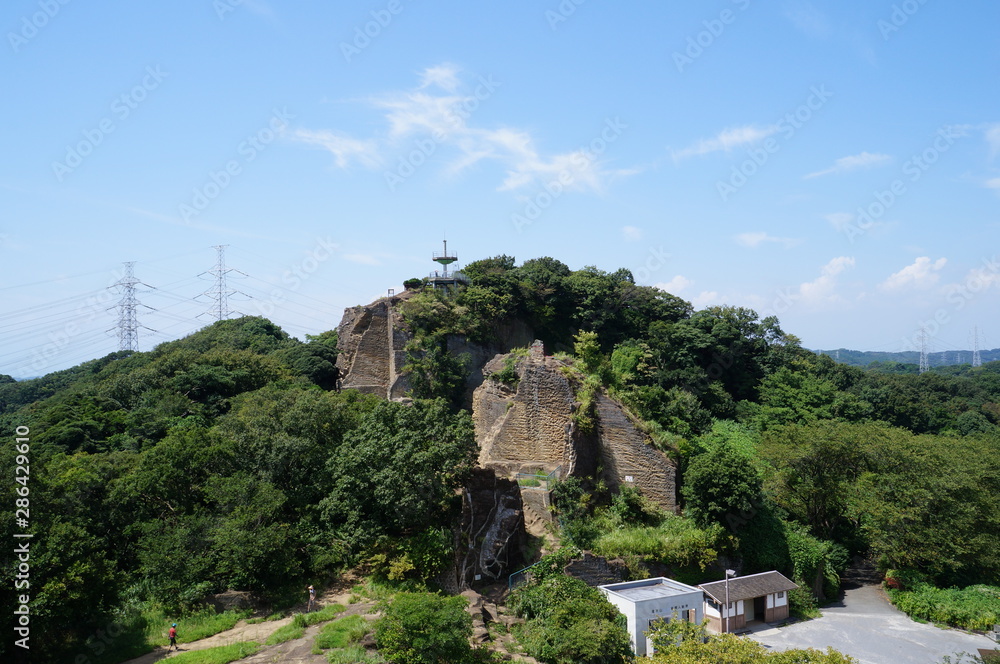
720	486
424	628
398	471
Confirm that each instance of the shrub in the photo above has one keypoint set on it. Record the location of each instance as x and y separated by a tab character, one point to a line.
424	628
972	608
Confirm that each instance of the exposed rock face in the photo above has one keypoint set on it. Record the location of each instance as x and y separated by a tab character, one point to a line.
596	570
372	342
489	537
628	453
528	425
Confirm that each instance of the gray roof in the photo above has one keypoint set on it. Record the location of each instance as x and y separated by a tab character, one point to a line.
748	587
647	589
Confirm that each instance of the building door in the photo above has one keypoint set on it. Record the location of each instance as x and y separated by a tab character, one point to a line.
760	607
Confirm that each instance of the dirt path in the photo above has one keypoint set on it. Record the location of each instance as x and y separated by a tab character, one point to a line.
296	651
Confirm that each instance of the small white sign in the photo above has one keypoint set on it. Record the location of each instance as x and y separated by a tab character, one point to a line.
629	478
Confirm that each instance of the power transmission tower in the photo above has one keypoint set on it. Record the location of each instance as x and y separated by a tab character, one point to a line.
128	325
220	292
924	364
977	361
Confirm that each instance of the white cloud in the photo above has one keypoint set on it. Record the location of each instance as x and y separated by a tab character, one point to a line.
822	290
344	148
727	139
444	76
921	274
993	184
675	285
437	115
756	239
632	233
852	162
993	138
840	220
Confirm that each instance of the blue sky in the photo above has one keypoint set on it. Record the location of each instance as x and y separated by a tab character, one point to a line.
834	164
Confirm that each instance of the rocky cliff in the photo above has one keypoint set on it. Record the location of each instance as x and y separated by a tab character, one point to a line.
372	342
525	424
372	339
489	536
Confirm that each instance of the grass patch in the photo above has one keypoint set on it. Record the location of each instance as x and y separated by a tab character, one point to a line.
676	541
200	624
342	633
975	608
220	655
328	612
354	654
293	630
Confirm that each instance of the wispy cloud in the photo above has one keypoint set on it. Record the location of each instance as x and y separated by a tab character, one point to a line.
343	148
993	184
808	19
437	113
839	220
727	139
754	240
852	162
921	274
444	76
632	233
992	133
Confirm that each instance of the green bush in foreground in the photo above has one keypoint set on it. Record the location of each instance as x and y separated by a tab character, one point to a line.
424	628
971	608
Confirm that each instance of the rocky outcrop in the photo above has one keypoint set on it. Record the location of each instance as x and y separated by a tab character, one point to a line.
372	341
489	536
629	457
526	422
596	570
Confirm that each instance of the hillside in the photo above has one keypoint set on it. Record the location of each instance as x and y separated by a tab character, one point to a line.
676	441
909	361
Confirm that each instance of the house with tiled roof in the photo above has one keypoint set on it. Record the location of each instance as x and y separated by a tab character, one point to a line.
762	597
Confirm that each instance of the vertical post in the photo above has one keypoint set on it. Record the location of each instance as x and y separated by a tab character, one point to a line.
725	629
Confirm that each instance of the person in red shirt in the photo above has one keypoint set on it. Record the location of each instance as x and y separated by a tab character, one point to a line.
172	633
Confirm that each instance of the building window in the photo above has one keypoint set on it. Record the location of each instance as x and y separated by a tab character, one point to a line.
781	594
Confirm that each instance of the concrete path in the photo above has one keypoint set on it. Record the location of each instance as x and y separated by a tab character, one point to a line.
866	626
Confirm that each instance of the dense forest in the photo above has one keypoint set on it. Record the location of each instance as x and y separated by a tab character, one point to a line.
228	460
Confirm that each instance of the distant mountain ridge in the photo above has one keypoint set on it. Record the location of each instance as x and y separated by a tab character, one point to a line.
862	358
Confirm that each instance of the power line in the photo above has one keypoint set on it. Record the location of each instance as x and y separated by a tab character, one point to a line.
128	325
977	361
220	293
924	364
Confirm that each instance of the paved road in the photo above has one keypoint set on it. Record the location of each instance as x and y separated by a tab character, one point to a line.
867	627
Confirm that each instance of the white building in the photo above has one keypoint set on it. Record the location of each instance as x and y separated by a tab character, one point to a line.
643	602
